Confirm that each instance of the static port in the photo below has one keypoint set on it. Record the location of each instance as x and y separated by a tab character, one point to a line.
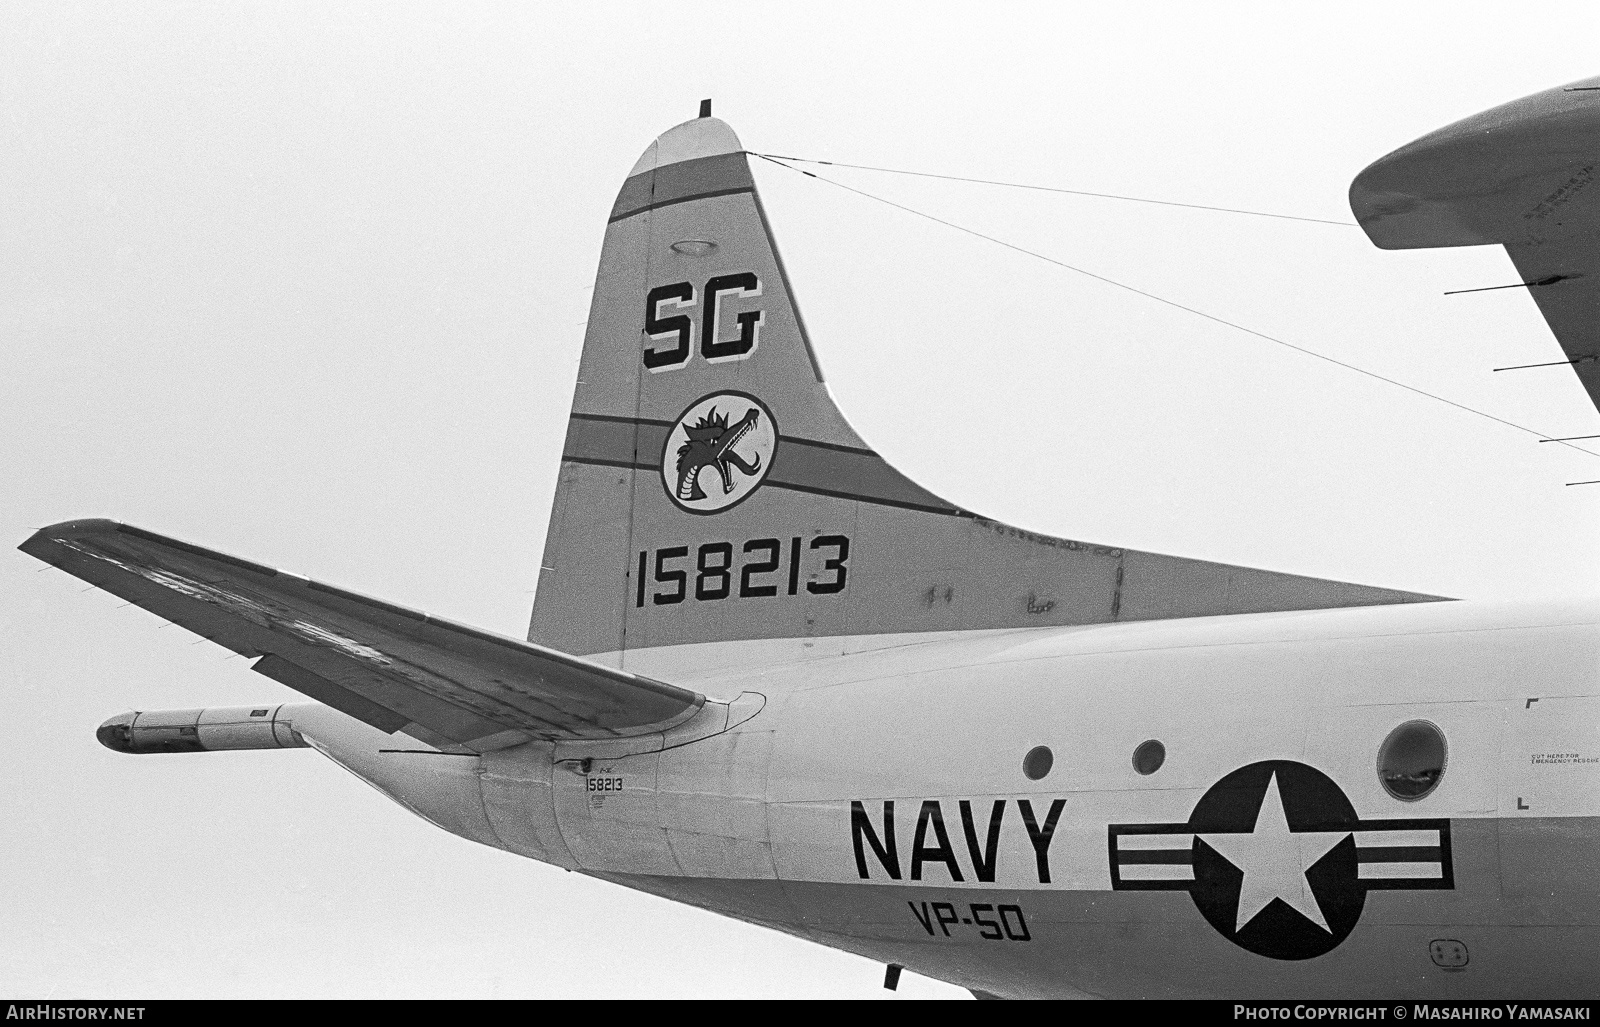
1448	953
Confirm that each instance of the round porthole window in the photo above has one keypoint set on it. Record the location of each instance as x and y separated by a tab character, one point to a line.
1149	756
1411	760
1038	762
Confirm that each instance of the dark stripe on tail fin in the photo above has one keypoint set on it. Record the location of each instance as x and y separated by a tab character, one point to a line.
726	174
820	468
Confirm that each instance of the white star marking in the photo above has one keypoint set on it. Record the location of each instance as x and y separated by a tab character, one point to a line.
1275	860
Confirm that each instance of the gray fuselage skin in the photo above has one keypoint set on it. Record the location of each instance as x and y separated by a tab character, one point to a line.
747	809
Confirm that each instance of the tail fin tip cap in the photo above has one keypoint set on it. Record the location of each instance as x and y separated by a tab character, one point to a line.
704	136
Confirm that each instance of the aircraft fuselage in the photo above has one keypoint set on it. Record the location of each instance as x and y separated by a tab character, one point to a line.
869	793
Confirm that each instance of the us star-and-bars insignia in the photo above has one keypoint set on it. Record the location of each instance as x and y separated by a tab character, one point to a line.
1276	859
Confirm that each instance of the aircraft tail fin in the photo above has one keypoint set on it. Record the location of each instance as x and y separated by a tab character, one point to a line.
710	490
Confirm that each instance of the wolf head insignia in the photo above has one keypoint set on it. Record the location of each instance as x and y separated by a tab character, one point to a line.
723	446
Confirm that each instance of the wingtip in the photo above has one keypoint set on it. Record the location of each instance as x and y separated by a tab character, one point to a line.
51	532
1483	179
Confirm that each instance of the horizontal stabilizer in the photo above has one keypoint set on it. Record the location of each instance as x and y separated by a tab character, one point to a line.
449	685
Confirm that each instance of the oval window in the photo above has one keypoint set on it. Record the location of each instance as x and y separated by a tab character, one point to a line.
1038	762
1149	756
1411	760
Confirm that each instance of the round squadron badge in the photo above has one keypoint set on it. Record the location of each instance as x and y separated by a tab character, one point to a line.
1276	859
718	452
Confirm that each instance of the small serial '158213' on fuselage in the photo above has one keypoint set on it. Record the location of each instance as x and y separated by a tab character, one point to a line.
769	675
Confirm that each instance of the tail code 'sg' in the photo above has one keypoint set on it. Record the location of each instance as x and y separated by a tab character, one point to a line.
679	327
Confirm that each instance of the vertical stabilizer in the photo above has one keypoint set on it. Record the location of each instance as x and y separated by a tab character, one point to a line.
710	490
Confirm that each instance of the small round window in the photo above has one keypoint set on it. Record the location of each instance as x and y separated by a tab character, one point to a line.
1411	760
1038	762
1149	756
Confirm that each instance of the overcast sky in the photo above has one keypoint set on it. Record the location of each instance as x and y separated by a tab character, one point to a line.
307	282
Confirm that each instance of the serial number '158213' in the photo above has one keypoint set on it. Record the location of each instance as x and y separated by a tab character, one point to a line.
759	570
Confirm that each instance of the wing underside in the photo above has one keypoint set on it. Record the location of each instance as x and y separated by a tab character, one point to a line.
446	684
1521	175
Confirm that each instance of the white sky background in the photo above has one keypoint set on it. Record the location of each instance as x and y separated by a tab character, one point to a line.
307	284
